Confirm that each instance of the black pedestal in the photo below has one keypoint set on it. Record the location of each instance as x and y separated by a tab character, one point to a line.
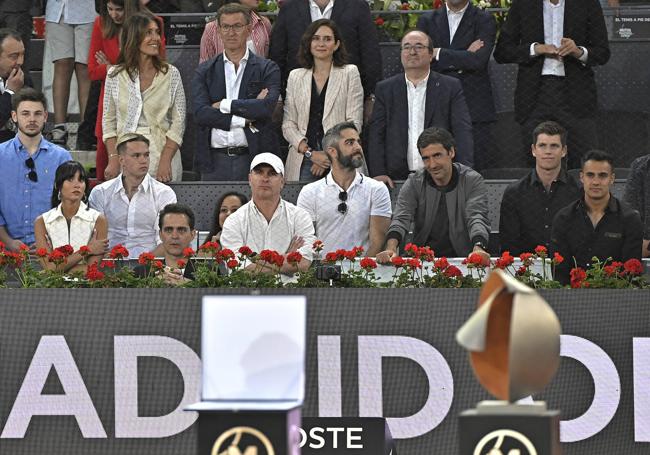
534	433
260	432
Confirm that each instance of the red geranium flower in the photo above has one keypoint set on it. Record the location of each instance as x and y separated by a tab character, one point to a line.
441	264
84	250
526	258
245	251
453	272
146	258
522	270
317	246
232	263
210	248
475	260
557	258
66	250
633	267
368	264
398	261
331	257
93	274
294	257
226	254
414	263
426	253
41	252
379	21
505	260
119	252
57	257
188	252
412	250
541	250
350	255
578	275
107	265
358	251
181	263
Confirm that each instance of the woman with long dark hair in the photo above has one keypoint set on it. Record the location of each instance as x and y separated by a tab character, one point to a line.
321	94
227	204
71	221
144	95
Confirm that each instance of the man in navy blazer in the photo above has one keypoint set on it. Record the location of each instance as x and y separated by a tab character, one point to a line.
233	98
555	79
356	25
463	38
408	103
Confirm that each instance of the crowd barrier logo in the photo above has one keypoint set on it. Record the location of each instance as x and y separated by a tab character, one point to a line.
506	442
255	441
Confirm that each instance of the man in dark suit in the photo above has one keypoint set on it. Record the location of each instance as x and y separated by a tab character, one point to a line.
353	19
12	78
463	38
555	79
410	102
234	96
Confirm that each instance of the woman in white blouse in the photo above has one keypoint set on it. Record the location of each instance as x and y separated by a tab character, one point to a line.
71	221
143	94
321	94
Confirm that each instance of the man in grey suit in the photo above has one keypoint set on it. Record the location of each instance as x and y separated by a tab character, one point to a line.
409	102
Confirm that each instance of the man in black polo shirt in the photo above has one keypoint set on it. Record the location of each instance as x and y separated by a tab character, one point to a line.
597	224
529	205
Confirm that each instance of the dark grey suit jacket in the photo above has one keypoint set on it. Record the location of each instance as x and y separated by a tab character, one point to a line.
445	108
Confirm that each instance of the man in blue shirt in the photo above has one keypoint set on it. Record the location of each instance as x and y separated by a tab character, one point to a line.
27	169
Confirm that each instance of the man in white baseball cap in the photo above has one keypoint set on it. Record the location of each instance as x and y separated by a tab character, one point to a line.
268	222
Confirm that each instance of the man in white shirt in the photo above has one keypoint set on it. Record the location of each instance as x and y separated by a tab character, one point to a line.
234	96
408	103
348	208
556	44
268	222
131	201
463	37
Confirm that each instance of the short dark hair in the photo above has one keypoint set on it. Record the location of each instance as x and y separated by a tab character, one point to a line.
176	208
121	147
234	8
435	135
27	94
8	33
67	171
306	59
429	40
597	155
333	135
550	128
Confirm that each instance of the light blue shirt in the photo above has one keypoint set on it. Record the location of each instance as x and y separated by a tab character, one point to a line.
21	200
73	11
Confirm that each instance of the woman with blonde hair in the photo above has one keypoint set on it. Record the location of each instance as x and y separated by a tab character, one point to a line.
143	94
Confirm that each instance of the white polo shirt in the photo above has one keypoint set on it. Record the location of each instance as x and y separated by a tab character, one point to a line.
366	197
248	226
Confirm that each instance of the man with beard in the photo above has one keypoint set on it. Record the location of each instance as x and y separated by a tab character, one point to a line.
596	225
447	201
29	164
348	208
529	205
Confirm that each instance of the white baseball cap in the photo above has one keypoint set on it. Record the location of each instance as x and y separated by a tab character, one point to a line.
268	158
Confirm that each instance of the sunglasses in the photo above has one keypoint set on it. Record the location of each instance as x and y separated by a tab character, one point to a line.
32	175
343	207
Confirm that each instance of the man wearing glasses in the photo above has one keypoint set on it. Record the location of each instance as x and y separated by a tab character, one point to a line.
234	96
408	103
447	202
29	164
348	208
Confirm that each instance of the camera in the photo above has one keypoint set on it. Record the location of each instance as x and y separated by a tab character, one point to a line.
328	272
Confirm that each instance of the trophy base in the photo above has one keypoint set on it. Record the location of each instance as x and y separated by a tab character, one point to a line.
503	428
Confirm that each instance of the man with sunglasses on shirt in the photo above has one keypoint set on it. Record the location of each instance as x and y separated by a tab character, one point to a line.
29	164
447	201
348	208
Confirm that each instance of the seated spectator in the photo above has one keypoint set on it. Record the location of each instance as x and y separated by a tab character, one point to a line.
29	164
176	224
144	95
71	221
131	201
268	222
12	78
258	41
409	102
234	97
530	204
446	200
68	28
597	224
104	53
321	94
18	15
348	208
637	195
227	204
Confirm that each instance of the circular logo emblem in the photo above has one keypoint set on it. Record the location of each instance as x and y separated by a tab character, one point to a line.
505	442
242	441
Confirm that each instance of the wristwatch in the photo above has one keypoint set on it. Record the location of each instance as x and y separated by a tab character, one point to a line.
308	153
480	245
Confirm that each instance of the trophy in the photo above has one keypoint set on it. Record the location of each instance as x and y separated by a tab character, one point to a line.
513	339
